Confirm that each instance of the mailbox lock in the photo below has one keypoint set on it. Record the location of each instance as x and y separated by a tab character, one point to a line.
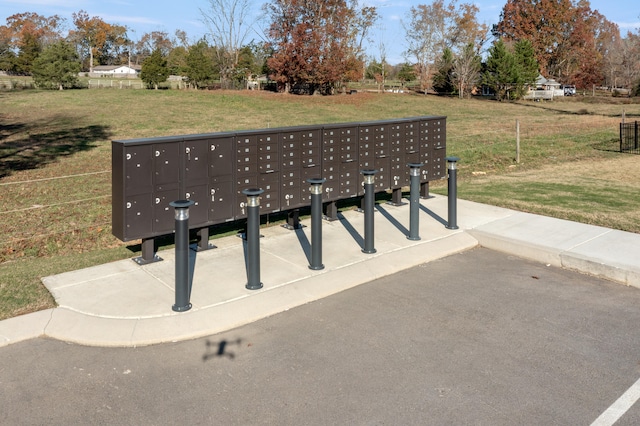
188	195
128	156
128	205
157	200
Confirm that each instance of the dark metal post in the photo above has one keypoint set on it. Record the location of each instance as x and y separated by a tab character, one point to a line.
182	254
369	203
452	193
316	223
414	202
253	238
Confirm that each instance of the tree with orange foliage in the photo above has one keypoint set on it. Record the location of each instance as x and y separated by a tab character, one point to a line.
96	37
316	42
568	37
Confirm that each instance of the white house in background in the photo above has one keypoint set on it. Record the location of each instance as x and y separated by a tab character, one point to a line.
117	70
545	89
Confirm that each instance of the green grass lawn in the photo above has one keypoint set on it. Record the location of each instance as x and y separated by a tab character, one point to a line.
55	161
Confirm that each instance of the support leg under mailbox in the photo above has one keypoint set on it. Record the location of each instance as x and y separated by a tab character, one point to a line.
424	190
396	197
331	211
203	240
148	252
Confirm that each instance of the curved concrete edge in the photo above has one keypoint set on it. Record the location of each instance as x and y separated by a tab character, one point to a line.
612	266
24	327
79	328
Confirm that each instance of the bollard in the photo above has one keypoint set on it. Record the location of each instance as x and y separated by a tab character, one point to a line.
452	193
414	202
369	203
253	238
182	254
316	223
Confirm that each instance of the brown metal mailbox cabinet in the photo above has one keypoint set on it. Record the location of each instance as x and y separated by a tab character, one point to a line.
213	169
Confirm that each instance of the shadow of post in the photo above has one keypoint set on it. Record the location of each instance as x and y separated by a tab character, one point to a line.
393	220
304	243
433	215
351	230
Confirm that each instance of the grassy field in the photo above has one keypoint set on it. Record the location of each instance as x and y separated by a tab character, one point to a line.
55	160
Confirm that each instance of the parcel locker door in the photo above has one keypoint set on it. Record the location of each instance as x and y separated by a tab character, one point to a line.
221	202
163	213
221	158
138	216
166	166
196	158
138	169
199	212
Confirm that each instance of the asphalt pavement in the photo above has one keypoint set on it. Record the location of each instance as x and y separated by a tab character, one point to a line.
479	337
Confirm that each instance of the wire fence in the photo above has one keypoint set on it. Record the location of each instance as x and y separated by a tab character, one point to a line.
45	226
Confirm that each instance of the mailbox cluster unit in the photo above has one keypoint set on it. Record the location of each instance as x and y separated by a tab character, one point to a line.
213	169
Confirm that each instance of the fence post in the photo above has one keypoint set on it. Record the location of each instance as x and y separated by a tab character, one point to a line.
635	136
517	141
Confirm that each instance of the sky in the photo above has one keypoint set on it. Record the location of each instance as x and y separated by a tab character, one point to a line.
143	16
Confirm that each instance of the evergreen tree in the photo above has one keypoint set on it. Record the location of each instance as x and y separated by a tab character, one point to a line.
57	66
443	80
27	54
154	70
200	70
407	72
527	65
501	73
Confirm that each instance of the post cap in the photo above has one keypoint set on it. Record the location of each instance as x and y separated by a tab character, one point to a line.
316	181
369	172
452	159
182	204
252	192
415	165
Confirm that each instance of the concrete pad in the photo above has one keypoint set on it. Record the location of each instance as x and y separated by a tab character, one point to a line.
123	304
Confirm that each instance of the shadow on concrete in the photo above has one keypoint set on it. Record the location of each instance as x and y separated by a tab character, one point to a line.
304	243
351	230
392	220
433	215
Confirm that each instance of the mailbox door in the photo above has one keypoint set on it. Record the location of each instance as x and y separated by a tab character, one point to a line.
221	158
221	201
138	216
138	170
196	159
166	166
350	180
383	177
199	212
163	213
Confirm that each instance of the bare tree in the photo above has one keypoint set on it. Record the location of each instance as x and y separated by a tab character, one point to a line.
229	23
466	70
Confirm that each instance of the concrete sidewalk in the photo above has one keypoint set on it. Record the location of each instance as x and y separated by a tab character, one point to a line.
123	304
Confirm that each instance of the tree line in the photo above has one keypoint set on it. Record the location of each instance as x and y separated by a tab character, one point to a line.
318	46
